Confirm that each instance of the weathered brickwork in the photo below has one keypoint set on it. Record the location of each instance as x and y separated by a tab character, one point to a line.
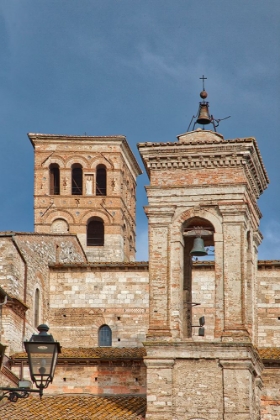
202	180
153	309
25	259
83	298
215	381
270	399
99	378
268	304
115	206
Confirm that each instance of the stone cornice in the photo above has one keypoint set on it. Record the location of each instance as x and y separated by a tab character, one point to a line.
60	138
202	154
207	350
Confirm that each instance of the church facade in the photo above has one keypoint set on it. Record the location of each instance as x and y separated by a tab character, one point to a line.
177	337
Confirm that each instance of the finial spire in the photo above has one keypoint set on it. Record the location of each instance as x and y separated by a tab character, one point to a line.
203	78
203	116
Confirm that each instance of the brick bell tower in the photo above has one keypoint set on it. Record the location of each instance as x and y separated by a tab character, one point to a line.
206	186
86	185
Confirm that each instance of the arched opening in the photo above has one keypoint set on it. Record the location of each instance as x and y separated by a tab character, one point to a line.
95	232
101	180
77	179
105	336
37	308
54	179
194	249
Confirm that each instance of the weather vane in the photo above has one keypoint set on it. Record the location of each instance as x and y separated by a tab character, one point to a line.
203	116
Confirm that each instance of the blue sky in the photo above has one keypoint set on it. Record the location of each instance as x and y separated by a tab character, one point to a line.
132	67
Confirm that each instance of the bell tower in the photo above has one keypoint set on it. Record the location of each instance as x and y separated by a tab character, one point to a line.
206	187
86	185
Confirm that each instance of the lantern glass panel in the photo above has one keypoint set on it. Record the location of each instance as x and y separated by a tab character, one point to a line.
42	357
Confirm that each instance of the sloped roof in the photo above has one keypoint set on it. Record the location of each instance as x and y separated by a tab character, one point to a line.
75	407
95	353
269	353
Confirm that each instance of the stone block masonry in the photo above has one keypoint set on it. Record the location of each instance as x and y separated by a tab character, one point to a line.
85	297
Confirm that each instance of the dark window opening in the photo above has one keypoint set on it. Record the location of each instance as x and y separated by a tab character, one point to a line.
101	180
54	179
105	336
77	180
95	232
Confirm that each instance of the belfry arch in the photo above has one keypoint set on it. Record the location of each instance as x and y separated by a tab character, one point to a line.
192	229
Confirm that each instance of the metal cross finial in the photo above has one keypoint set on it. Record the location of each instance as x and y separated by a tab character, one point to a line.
203	78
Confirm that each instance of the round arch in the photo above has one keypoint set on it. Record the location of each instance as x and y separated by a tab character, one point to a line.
63	214
101	161
209	214
54	159
74	160
97	213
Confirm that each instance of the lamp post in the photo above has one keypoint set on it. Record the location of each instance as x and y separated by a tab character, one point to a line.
42	352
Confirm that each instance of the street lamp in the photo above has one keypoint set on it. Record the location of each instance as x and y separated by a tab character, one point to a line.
42	352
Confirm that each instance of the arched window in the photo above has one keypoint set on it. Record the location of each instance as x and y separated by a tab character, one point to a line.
105	336
101	180
77	179
54	179
37	308
95	232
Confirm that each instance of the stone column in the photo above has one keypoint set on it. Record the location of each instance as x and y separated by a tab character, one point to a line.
219	285
159	388
234	306
159	249
65	181
238	390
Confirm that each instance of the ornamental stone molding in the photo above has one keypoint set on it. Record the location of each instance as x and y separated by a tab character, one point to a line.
208	154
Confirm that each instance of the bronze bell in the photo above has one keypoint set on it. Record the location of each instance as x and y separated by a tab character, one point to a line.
203	117
198	249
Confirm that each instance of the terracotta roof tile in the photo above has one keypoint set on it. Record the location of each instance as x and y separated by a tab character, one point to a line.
75	407
96	353
269	353
144	265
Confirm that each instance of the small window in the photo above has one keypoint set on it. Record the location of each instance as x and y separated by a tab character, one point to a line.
101	180
105	336
95	232
54	179
77	179
37	308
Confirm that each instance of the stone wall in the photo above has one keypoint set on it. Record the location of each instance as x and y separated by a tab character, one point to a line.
99	378
83	298
268	304
24	261
270	399
188	381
